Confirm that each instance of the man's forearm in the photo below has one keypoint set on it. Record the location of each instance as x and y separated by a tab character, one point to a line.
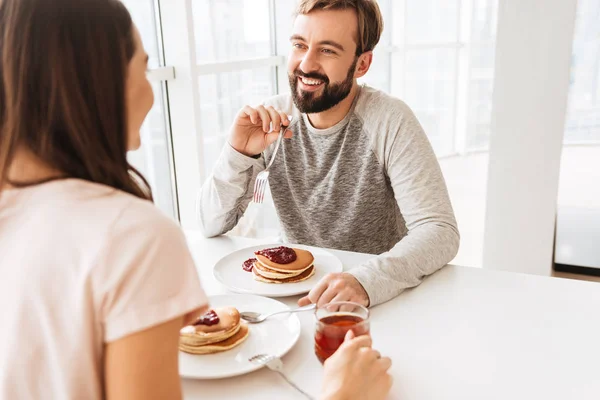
422	252
225	195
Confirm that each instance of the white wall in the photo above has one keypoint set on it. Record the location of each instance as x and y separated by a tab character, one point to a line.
528	117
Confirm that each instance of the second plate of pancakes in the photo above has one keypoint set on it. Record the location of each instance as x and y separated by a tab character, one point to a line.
275	336
229	272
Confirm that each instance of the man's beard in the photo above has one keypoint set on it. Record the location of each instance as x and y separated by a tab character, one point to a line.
332	94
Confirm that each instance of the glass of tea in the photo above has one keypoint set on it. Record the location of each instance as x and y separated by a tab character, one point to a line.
333	321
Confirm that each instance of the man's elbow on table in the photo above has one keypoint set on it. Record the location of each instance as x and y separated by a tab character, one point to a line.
434	245
448	242
209	233
208	227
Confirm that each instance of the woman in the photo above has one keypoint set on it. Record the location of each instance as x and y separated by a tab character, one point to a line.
95	282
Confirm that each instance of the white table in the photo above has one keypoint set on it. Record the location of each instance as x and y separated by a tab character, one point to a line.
464	333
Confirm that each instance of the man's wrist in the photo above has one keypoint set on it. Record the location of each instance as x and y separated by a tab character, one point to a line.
234	148
361	288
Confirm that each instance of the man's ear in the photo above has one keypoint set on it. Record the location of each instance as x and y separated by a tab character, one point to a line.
364	63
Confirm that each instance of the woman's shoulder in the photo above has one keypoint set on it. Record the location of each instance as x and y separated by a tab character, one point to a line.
105	208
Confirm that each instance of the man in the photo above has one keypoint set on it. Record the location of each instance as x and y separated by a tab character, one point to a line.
357	171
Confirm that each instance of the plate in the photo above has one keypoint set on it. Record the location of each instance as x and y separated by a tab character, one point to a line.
277	335
229	272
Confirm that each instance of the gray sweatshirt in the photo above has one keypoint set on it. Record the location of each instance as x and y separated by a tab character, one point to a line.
369	184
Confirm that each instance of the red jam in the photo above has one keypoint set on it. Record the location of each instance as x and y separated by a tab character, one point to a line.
249	264
208	319
279	255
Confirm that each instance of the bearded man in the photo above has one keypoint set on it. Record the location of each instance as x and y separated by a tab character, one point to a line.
356	171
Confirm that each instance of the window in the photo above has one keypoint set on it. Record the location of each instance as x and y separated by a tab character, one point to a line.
237	65
154	158
438	56
583	116
480	75
228	30
222	96
379	75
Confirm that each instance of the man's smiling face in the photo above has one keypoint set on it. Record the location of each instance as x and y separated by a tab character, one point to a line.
322	62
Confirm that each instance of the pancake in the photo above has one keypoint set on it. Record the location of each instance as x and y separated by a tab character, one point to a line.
228	325
299	278
304	259
228	344
191	338
272	274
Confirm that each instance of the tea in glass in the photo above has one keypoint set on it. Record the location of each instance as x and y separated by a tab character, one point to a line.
334	320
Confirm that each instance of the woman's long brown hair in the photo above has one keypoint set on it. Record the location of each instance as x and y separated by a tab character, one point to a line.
63	68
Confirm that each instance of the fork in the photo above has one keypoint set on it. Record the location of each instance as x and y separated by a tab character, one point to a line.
262	179
275	364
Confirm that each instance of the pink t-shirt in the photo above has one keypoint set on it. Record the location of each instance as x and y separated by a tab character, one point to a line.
82	265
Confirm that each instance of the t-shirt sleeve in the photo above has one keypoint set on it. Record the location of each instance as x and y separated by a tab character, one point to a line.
146	276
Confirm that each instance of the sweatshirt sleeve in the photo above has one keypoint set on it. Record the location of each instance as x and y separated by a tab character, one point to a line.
420	191
225	195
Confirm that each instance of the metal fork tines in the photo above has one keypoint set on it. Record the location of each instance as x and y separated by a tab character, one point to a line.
275	364
262	179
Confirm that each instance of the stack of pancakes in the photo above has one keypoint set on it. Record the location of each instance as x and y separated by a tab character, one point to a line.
207	339
302	268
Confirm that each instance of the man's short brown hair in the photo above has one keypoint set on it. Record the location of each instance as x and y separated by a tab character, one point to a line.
370	21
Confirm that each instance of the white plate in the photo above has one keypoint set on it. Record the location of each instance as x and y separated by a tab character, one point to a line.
277	335
229	272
